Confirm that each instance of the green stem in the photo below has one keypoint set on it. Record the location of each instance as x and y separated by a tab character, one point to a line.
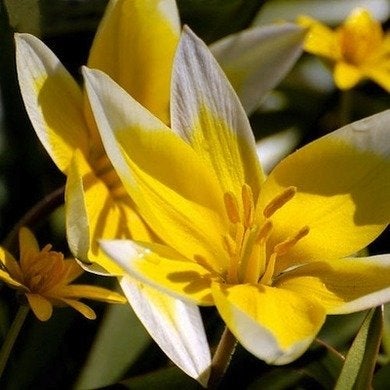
222	358
45	206
12	335
345	113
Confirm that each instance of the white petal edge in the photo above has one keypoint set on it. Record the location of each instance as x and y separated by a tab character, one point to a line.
34	60
261	57
260	342
174	325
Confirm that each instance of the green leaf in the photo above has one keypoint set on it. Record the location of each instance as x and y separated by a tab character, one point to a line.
360	362
165	379
120	340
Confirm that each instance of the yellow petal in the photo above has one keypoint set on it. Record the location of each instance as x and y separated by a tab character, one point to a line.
360	36
94	212
346	76
160	267
5	277
207	113
86	291
320	40
82	308
275	325
29	247
380	71
71	270
173	189
342	286
10	264
174	324
135	45
343	193
41	307
52	98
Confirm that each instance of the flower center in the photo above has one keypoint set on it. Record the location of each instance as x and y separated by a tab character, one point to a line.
248	234
45	270
104	170
357	45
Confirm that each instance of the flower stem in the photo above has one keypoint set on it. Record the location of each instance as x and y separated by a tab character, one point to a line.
345	112
222	358
45	206
12	335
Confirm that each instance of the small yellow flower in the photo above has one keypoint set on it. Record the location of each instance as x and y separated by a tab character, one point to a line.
357	50
44	276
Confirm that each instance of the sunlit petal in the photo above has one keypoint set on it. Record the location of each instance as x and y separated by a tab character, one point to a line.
154	165
342	286
275	325
135	44
162	268
343	193
208	115
52	98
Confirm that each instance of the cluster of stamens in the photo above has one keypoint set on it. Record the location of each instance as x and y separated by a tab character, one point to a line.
248	234
106	172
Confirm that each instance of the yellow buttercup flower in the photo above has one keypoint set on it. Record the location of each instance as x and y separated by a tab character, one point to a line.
45	278
271	253
357	50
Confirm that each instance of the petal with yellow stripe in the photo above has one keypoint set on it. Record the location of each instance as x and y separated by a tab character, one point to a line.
343	192
52	98
207	114
135	44
273	324
342	286
155	166
164	269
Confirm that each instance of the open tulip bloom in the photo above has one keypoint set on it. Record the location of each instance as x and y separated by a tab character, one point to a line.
271	253
135	45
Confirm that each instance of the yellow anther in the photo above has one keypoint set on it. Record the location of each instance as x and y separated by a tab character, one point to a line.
279	201
264	232
269	272
231	206
248	205
203	262
230	245
286	245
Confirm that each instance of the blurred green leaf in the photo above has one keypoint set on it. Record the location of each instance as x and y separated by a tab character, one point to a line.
120	340
361	358
24	15
382	378
165	379
278	379
386	331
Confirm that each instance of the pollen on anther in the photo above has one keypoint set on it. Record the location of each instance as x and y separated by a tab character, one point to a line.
247	201
279	201
284	246
231	206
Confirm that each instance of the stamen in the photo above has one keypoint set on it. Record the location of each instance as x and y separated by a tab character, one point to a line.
203	262
286	245
267	276
264	232
230	245
247	201
231	206
279	201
